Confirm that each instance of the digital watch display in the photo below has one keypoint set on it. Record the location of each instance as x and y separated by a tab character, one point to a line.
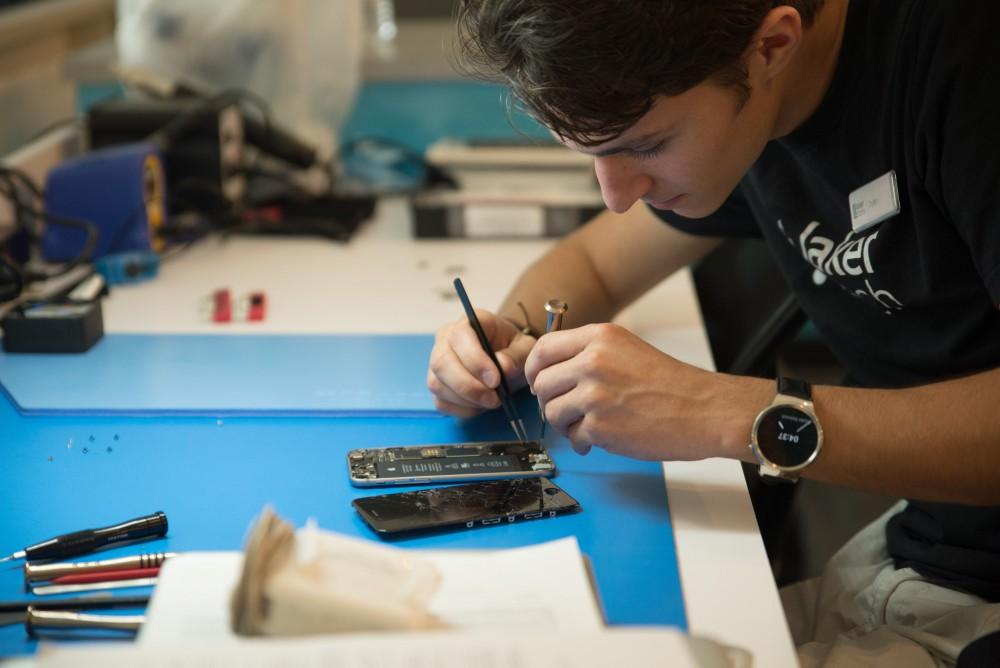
787	436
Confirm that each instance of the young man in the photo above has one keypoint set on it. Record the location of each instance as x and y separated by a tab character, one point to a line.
762	117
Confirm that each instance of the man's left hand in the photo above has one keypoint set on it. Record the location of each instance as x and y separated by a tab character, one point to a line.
602	385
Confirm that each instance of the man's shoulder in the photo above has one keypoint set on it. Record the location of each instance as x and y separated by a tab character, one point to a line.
959	24
938	52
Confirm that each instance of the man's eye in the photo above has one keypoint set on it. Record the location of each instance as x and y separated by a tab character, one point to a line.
649	152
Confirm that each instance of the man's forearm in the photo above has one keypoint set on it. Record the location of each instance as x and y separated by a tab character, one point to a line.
562	273
937	442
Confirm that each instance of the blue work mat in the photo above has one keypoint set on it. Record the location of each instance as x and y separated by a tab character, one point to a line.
212	476
225	375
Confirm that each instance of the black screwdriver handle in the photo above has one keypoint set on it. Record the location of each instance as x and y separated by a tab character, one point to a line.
88	540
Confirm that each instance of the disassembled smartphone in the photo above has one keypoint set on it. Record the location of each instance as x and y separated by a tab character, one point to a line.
416	464
465	506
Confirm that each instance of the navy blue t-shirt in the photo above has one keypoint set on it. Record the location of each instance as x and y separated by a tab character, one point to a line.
913	299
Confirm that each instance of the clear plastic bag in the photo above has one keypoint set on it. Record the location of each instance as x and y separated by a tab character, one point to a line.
302	56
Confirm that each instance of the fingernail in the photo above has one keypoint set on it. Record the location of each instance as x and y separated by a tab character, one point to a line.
488	378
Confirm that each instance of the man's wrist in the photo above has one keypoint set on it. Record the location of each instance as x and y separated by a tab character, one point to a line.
746	398
520	326
522	322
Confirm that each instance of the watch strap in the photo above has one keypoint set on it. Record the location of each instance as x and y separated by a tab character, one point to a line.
787	387
776	476
794	387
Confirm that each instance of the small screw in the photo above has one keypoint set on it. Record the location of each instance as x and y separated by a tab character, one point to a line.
51	458
109	448
86	450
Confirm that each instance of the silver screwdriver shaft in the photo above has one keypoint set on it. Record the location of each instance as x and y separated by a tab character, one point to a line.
556	309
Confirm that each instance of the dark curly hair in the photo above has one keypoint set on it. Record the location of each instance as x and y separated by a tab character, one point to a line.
589	69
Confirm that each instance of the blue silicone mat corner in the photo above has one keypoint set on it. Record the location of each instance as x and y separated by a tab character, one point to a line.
225	375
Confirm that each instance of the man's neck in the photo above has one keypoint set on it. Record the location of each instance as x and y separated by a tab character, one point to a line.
809	78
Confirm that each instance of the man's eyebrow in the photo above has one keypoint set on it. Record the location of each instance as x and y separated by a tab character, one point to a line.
630	145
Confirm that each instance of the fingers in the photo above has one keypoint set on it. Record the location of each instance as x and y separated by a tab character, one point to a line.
578	438
582	449
465	345
556	347
566	417
461	374
456	391
512	360
448	402
555	381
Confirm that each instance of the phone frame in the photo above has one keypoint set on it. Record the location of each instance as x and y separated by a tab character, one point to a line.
358	460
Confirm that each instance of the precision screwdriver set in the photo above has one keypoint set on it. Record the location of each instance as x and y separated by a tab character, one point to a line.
43	577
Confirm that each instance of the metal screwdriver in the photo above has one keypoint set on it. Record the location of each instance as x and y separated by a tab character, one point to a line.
556	309
88	540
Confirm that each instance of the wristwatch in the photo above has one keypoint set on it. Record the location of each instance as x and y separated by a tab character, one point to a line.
786	436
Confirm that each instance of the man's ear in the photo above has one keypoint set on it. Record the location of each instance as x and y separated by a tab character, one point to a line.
777	40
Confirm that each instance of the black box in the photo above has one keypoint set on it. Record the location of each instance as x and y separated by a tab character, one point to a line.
53	328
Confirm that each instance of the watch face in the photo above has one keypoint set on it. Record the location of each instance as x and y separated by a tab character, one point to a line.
787	436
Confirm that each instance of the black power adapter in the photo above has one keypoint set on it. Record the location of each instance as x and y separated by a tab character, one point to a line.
53	328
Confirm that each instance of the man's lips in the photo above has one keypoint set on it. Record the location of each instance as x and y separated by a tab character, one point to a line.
665	203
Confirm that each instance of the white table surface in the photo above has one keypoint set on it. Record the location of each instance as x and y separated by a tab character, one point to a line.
385	281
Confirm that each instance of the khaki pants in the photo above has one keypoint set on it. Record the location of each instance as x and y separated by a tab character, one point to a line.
864	612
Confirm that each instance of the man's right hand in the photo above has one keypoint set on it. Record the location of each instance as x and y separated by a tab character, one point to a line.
462	376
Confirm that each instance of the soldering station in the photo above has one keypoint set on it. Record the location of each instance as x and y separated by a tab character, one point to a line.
161	170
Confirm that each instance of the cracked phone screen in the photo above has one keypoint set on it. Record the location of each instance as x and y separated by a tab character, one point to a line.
477	504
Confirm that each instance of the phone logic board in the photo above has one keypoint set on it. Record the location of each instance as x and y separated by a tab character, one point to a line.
460	461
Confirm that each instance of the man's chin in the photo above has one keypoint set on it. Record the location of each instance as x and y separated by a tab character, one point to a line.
690	208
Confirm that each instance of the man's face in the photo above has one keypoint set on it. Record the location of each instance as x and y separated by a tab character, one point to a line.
687	154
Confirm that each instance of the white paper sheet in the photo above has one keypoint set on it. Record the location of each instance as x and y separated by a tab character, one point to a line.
542	587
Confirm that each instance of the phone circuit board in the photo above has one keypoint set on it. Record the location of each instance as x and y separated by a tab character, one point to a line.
458	461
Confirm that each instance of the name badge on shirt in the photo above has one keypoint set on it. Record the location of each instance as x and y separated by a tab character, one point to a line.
874	202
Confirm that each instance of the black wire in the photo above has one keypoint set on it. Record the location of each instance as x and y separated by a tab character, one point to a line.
180	124
10	177
16	195
11	279
82	257
25	180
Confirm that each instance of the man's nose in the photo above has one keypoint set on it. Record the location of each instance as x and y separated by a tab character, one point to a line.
621	183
